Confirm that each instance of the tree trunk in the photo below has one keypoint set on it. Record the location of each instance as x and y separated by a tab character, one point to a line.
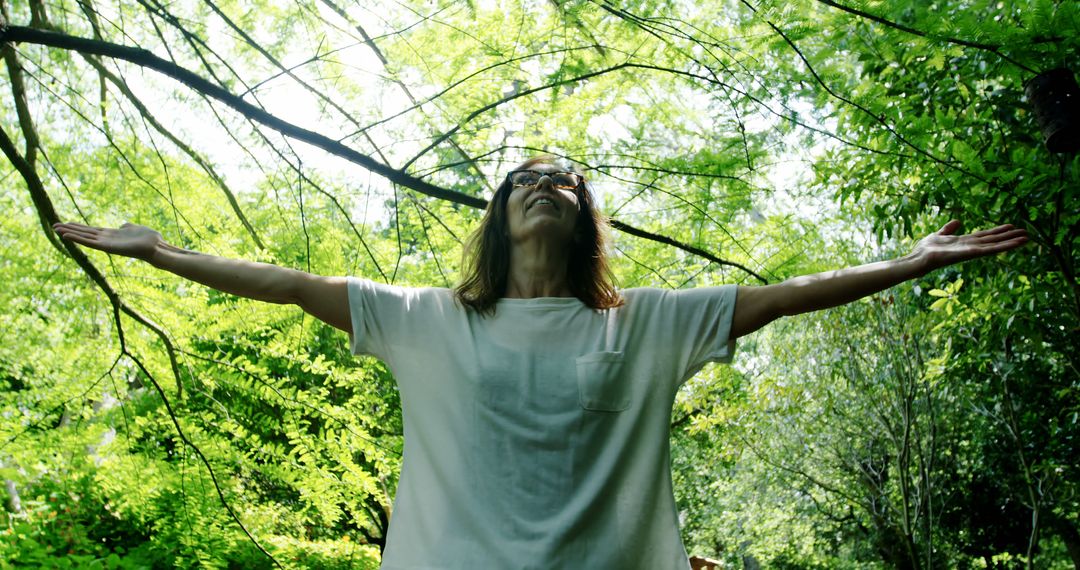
13	504
1070	536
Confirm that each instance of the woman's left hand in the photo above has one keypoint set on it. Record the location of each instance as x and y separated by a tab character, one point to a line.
942	248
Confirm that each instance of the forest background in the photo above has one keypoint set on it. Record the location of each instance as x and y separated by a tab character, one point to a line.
149	422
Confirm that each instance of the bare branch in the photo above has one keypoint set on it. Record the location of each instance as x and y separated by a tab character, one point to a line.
625	228
144	58
994	49
404	88
198	158
47	216
879	118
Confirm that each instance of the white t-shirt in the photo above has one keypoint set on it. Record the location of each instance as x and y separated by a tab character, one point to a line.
537	438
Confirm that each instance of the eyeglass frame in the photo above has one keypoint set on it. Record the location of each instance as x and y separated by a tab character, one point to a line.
580	178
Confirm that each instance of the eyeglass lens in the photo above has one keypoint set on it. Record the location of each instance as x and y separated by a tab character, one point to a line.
531	177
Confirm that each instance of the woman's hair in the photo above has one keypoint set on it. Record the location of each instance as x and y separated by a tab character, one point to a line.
487	253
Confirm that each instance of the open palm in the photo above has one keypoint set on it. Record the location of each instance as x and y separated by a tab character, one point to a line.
941	248
131	240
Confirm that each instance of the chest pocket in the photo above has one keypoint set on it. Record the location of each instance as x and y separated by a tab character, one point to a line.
601	384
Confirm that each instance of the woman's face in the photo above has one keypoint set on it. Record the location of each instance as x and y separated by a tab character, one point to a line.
542	211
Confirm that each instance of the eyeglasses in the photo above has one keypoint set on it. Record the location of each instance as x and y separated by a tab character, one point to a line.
563	180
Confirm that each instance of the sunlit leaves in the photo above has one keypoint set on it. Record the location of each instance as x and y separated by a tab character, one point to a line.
733	126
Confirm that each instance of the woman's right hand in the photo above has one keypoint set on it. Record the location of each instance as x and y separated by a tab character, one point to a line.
131	240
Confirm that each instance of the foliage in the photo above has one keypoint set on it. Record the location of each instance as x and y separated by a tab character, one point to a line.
148	422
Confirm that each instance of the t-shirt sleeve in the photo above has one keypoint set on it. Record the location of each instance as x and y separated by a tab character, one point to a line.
707	313
696	326
383	315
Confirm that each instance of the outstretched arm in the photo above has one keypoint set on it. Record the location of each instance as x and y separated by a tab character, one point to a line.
326	298
756	307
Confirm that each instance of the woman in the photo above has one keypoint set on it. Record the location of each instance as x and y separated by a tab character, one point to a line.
536	397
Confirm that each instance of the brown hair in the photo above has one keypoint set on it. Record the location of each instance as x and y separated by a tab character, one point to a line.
487	253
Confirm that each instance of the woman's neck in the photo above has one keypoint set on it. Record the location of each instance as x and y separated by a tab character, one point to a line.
538	271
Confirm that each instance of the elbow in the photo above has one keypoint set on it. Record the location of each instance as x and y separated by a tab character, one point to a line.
781	301
286	289
792	298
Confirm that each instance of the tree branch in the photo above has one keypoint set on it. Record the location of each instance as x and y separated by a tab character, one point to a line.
147	59
48	216
879	118
625	228
203	163
994	49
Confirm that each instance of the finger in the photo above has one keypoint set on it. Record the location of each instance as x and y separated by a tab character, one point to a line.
89	236
1000	246
81	239
1005	245
72	226
992	231
79	230
949	228
1004	236
61	226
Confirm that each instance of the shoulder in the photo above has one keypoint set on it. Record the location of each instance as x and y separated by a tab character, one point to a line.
361	288
369	284
645	293
690	295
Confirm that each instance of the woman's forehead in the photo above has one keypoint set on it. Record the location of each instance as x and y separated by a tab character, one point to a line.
540	167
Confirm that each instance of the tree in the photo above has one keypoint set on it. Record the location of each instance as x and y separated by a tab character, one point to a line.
729	141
